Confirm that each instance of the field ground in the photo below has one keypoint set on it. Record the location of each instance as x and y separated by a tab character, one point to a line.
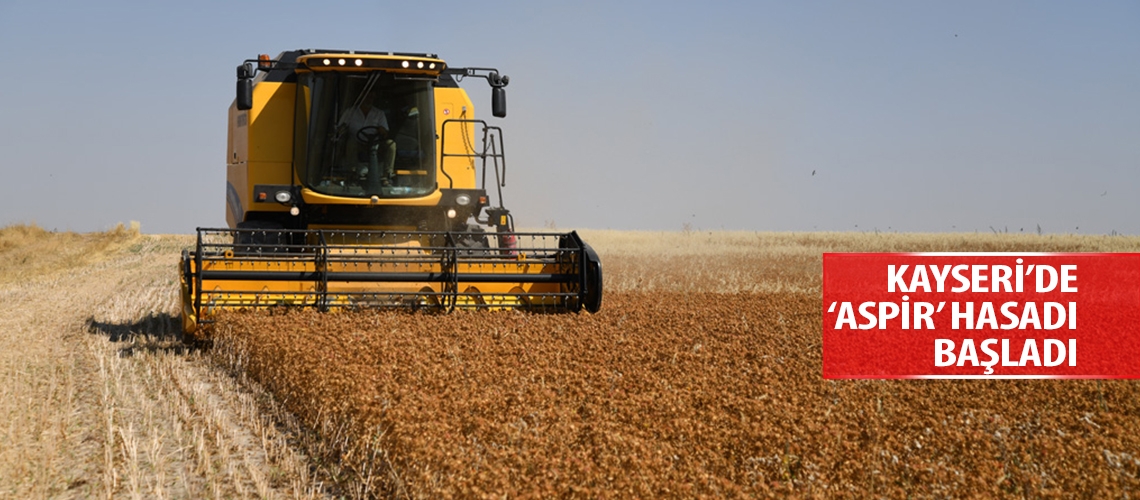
98	395
700	377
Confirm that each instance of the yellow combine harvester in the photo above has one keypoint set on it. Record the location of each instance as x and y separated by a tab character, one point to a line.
360	180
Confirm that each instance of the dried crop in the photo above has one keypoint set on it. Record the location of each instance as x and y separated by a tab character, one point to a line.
668	394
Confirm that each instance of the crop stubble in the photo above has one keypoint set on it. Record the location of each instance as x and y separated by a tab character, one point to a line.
99	398
669	394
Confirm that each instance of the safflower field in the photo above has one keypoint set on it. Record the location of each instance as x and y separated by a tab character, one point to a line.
705	386
700	378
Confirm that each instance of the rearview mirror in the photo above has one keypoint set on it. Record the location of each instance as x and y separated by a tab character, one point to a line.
499	102
245	74
245	94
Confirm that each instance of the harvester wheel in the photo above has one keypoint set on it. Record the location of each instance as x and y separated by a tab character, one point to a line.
591	267
593	302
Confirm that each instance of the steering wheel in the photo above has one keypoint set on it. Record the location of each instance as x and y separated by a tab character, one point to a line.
370	134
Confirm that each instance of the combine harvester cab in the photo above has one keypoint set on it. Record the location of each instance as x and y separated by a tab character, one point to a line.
353	182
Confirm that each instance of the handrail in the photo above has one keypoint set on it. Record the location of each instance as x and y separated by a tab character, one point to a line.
493	148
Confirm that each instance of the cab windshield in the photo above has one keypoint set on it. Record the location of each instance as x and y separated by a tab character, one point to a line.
365	134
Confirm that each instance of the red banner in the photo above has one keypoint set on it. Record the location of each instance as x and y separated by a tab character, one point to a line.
981	315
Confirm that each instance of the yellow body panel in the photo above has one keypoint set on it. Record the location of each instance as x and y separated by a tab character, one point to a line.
450	104
271	123
261	149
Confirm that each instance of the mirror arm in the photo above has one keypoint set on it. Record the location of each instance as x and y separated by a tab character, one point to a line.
497	82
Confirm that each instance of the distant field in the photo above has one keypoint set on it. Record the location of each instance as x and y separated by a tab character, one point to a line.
701	376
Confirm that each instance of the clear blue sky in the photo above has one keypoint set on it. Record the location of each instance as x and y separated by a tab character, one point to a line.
915	116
